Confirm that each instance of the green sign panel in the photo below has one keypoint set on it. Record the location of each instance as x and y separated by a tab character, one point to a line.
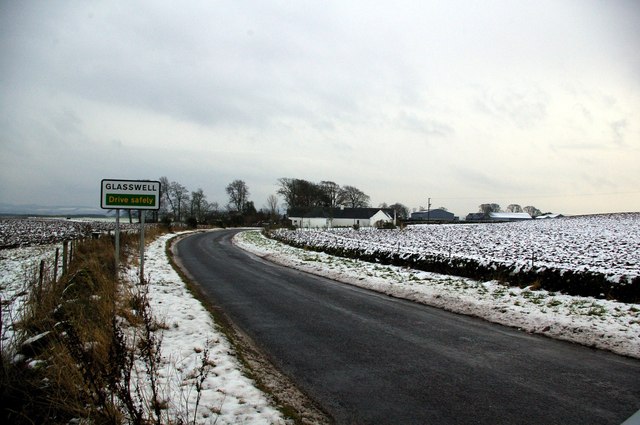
131	201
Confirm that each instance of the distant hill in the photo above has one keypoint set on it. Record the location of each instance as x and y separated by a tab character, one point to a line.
56	210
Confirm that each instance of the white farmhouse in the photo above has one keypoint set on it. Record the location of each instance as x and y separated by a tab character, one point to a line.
339	217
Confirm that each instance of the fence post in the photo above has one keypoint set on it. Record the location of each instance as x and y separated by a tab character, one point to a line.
55	265
65	252
40	279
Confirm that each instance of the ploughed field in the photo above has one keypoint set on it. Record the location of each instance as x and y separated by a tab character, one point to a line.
21	232
597	255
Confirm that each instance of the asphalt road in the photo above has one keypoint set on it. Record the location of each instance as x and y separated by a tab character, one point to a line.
370	359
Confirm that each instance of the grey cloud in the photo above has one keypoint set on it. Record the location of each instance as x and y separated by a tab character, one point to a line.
619	127
524	106
428	127
584	112
66	122
484	181
316	88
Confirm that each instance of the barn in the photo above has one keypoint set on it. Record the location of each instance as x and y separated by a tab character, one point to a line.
438	214
509	216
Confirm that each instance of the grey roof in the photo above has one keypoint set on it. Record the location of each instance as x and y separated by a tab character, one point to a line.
435	214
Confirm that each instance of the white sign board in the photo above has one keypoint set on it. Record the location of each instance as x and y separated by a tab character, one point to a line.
130	194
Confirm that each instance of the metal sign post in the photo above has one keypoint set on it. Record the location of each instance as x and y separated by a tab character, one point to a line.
141	246
117	242
133	195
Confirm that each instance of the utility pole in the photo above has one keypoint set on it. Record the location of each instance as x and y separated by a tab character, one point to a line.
429	210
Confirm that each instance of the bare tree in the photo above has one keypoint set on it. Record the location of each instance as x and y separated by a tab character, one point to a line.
238	195
402	212
213	212
288	191
298	193
532	211
272	205
166	206
487	209
199	205
354	197
514	208
178	197
214	208
331	194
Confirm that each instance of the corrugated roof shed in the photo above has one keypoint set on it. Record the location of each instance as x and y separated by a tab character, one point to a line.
509	216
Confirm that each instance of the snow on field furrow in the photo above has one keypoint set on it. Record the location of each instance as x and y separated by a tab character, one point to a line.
609	244
21	232
19	269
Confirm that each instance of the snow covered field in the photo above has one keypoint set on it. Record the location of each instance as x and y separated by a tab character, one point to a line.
607	244
22	232
17	268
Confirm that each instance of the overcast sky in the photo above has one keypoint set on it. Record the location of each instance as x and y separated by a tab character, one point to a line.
464	102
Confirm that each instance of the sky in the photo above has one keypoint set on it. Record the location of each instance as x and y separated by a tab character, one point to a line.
460	102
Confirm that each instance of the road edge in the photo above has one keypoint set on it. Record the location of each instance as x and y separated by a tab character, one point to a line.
295	405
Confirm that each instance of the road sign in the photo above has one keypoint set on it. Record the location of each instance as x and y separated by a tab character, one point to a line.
130	194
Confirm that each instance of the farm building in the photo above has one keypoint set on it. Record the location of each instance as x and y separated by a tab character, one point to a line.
475	217
550	215
509	216
498	216
433	215
339	217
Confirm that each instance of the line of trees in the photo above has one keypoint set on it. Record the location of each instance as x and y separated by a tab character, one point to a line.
299	193
178	204
486	209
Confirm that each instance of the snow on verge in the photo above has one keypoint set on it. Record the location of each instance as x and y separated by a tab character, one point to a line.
227	397
603	324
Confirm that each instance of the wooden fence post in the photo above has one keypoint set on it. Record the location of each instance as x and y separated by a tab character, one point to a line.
55	265
65	252
41	278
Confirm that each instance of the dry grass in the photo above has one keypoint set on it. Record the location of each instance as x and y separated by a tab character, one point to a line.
89	332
